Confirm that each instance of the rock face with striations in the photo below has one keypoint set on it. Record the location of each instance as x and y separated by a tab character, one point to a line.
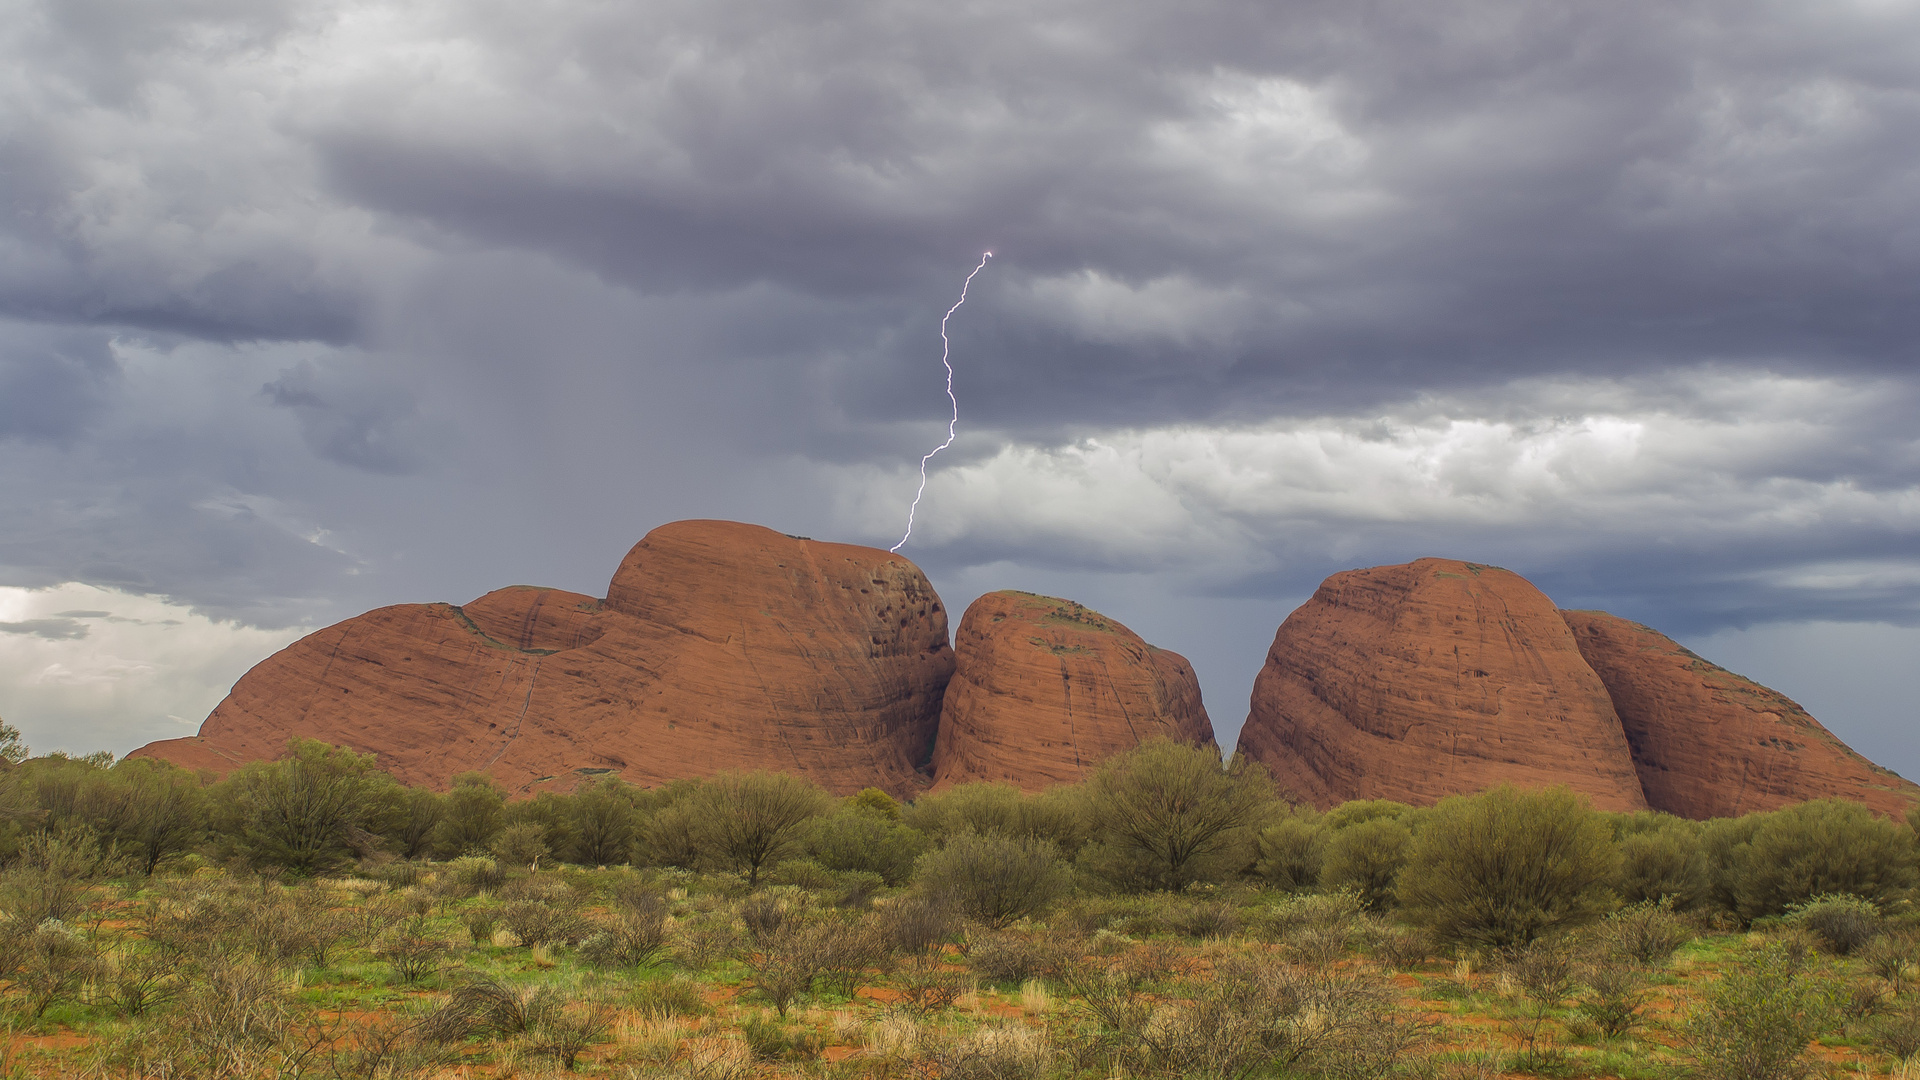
719	645
1044	689
1708	743
1420	681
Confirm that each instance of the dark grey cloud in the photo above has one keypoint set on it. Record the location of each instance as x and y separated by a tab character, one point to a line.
312	305
53	381
353	421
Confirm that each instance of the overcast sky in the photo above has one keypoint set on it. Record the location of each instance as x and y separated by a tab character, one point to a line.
309	306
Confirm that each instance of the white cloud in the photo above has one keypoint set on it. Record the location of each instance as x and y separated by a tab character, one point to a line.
84	668
1696	458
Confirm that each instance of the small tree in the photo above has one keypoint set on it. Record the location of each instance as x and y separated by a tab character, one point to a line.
1665	864
421	811
606	820
747	820
995	879
1367	858
1292	851
309	810
1165	815
855	838
470	816
12	750
1505	867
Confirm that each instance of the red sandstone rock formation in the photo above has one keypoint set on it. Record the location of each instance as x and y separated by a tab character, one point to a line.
1708	743
720	646
1437	677
1044	689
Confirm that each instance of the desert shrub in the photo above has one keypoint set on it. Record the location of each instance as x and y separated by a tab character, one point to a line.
1842	925
634	935
1505	867
1248	1016
787	963
1291	851
536	923
771	1039
565	1032
1006	957
1358	811
12	750
916	924
746	821
1891	957
1666	863
230	1021
1756	1022
51	874
992	878
473	875
470	815
1542	969
159	809
1647	933
1007	1051
317	807
1340	908
553	890
134	982
926	987
318	929
853	838
848	950
766	914
1164	815
801	874
698	943
411	950
412	830
524	844
1205	919
52	962
1897	1034
999	809
1817	848
1366	858
1611	997
666	998
1401	948
606	822
480	923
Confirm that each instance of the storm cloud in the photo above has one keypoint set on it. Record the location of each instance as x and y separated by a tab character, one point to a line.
312	305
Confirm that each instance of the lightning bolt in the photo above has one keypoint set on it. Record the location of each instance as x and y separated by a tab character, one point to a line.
946	354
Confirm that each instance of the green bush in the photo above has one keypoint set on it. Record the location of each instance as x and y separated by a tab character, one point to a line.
992	878
747	821
1366	858
1165	815
1291	851
1505	867
1817	848
1647	933
1057	815
853	838
318	807
1665	864
1841	924
470	815
1756	1022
